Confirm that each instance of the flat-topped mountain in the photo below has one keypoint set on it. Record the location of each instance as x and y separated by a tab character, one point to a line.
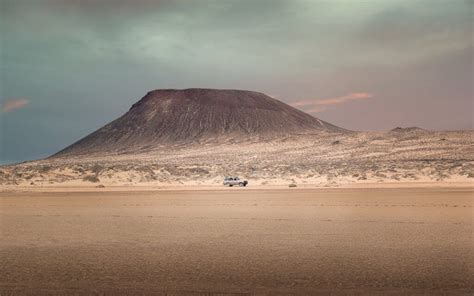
191	115
197	136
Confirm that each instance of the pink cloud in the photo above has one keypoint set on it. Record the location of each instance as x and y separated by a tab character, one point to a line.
314	106
11	105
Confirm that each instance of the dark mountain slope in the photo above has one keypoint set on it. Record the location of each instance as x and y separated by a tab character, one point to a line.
183	116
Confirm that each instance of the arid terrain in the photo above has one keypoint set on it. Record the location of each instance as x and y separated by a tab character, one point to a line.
213	148
324	159
138	206
196	137
273	242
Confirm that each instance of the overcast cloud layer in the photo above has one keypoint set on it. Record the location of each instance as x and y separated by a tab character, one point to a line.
68	66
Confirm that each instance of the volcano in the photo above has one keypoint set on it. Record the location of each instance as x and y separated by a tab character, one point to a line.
170	116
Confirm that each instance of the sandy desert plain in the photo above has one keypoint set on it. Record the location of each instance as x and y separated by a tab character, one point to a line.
372	214
333	241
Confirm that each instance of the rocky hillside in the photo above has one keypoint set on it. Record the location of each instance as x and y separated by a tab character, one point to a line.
319	159
174	116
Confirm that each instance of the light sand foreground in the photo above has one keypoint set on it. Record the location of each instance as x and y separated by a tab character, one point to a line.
301	241
87	187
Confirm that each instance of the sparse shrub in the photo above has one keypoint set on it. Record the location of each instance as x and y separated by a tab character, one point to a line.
292	185
44	169
79	169
100	186
91	178
199	171
96	169
336	142
144	169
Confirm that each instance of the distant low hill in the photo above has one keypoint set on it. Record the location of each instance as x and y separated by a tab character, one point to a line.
411	129
193	115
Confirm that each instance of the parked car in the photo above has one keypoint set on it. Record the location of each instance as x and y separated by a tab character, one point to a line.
231	181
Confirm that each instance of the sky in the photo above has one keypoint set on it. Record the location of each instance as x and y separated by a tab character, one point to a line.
70	66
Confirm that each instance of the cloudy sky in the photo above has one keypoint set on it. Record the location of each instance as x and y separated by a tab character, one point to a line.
70	66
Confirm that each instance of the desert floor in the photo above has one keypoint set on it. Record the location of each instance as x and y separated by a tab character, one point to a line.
286	241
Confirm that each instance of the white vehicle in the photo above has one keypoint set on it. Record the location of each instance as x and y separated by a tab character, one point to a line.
231	181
